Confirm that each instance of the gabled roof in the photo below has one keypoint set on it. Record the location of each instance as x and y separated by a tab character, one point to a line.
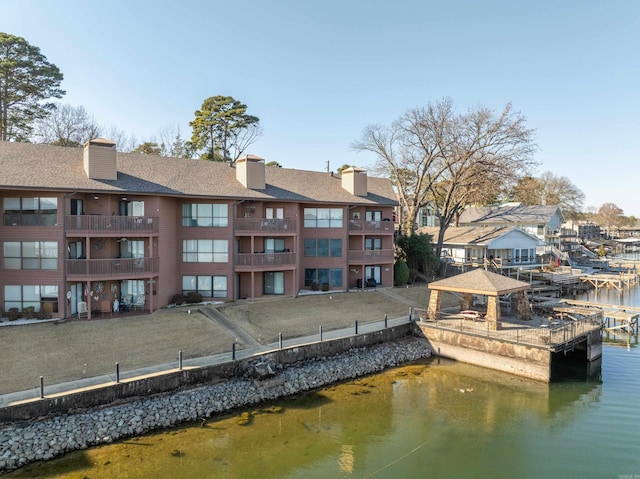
480	281
510	214
474	235
46	167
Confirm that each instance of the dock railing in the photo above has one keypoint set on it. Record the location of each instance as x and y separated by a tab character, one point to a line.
553	335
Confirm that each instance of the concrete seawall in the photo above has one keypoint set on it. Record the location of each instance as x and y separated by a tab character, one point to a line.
189	395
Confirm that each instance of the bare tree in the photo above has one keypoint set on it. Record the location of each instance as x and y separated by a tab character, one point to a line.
170	141
434	155
611	217
550	189
67	125
124	142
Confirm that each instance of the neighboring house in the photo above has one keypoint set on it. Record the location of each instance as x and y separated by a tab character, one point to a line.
93	225
544	222
497	247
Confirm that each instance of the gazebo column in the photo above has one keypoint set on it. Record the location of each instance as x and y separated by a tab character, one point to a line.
435	301
493	313
523	309
467	301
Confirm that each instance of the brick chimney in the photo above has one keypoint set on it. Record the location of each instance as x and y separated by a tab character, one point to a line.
354	180
100	159
250	172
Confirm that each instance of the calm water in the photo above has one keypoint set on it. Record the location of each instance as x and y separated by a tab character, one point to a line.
433	419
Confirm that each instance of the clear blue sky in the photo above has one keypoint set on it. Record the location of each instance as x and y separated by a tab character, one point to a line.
317	72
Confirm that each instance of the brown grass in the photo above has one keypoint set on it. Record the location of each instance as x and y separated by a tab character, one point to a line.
74	349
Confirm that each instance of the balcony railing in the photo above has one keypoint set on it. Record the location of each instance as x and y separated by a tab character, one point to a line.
112	224
112	267
371	256
265	224
30	219
265	259
377	226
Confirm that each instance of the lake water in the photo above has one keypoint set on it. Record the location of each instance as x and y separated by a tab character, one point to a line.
431	419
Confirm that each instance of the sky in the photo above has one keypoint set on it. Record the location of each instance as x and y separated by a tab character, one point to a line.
317	73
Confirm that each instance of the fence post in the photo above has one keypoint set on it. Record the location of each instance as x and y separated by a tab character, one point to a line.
356	326
280	339
385	320
233	351
117	372
41	387
320	332
180	360
410	313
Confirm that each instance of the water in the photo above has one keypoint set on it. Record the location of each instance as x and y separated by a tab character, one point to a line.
435	418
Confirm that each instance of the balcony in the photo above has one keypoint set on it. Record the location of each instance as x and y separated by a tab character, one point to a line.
369	226
116	225
248	261
112	268
371	256
264	225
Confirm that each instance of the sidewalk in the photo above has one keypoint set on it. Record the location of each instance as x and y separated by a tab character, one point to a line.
254	350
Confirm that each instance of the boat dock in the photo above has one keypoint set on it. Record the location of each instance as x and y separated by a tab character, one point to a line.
615	318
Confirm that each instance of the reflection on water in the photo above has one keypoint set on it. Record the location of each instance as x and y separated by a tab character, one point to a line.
430	419
452	419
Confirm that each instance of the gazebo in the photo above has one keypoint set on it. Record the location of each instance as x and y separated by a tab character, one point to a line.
480	282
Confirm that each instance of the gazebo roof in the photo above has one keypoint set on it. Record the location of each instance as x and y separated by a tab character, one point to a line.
480	281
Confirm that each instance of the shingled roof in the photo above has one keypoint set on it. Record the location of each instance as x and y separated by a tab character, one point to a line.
479	281
473	235
46	167
509	214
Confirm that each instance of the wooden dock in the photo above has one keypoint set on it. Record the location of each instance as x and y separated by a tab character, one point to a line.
616	318
619	281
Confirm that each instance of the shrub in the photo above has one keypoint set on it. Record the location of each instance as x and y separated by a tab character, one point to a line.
325	286
400	273
28	312
314	286
13	314
193	297
177	298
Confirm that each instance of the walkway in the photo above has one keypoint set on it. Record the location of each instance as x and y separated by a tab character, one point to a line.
224	357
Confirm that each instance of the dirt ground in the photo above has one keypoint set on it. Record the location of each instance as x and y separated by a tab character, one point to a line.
71	350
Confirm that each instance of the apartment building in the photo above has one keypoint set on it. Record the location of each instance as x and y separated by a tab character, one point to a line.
91	225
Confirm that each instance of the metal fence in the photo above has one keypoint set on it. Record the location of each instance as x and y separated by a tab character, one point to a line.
553	335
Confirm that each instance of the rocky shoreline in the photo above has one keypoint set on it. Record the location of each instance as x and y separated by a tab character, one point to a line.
45	439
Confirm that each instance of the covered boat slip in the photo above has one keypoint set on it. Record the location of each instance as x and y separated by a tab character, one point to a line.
503	337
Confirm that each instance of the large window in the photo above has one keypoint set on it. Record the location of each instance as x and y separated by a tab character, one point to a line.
207	286
373	215
274	282
273	245
323	217
205	251
32	295
524	255
372	244
131	208
320	276
30	211
323	247
205	214
30	255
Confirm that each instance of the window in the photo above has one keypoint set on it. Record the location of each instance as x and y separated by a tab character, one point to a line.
30	211
323	247
373	215
132	292
132	208
205	251
274	213
131	249
323	217
321	276
205	215
32	295
273	245
273	282
373	243
30	255
207	286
